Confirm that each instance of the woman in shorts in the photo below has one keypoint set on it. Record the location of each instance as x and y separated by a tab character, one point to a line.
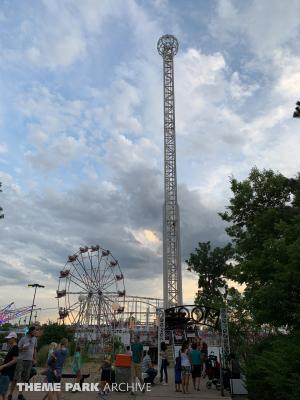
196	358
185	368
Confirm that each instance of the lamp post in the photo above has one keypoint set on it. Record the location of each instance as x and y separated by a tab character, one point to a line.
35	285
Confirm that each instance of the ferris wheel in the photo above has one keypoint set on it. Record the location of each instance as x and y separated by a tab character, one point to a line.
91	293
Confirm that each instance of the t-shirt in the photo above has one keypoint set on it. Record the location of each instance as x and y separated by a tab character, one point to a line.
28	343
146	363
137	350
60	356
185	361
10	371
196	357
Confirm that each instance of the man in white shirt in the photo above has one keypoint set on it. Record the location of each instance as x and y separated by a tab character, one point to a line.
147	368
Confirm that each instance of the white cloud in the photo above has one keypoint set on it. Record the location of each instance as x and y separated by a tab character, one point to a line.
288	71
95	108
59	52
238	90
266	24
58	134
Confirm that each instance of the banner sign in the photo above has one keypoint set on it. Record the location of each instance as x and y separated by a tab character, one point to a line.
181	317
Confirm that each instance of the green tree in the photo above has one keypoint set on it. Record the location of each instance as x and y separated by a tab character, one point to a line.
54	333
213	269
273	368
264	218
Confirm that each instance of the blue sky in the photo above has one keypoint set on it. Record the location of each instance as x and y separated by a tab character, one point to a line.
81	128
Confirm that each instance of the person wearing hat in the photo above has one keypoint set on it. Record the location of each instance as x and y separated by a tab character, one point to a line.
27	355
7	369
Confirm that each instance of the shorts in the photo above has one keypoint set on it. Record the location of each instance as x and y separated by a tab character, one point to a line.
196	371
106	375
185	370
22	372
51	376
4	383
136	370
58	374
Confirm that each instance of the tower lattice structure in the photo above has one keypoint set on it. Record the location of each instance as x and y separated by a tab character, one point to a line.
167	47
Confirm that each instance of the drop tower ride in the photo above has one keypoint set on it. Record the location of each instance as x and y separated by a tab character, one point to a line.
167	47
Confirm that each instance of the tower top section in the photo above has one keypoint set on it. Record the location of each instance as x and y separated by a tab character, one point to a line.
167	44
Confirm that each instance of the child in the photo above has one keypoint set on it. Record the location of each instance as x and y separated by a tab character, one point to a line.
76	365
52	347
49	372
128	351
178	373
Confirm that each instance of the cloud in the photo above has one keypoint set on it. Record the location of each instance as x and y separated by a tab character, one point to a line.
83	127
57	128
64	51
237	21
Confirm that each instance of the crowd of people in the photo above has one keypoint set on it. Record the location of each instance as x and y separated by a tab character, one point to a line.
20	360
18	363
191	361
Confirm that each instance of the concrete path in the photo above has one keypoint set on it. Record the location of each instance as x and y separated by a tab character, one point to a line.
166	392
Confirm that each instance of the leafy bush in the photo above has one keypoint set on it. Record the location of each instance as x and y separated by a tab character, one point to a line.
54	333
42	356
273	369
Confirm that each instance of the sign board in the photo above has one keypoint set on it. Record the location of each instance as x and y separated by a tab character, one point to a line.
183	316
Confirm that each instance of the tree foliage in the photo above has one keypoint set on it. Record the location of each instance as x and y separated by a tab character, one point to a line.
213	268
54	333
264	218
273	368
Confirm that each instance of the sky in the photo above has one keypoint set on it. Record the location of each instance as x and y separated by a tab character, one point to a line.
81	128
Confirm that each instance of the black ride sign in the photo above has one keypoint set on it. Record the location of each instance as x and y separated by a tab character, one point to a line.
188	315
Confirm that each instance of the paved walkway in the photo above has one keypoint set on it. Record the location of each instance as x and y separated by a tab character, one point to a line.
166	392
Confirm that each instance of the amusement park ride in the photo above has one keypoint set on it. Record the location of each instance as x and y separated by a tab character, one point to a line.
92	298
91	292
10	313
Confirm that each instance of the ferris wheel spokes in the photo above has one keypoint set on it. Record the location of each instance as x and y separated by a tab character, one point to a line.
91	289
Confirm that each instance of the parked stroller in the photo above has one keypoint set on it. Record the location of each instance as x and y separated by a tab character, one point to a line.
212	370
